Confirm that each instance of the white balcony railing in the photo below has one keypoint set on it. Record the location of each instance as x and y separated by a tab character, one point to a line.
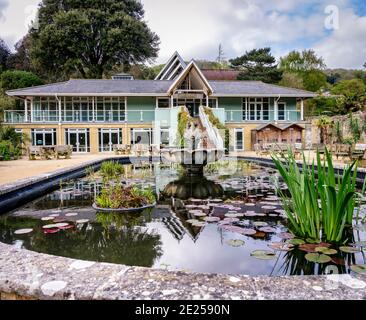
240	116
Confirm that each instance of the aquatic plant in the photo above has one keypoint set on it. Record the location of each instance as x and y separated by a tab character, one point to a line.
111	170
319	205
119	197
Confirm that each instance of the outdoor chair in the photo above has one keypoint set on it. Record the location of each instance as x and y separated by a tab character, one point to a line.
342	150
297	149
358	151
121	149
34	152
140	149
63	151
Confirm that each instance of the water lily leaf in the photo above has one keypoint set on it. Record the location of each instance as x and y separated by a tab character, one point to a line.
55	215
260	224
281	246
236	243
318	258
263	254
61	225
47	218
338	261
49	226
326	250
359	268
285	235
23	231
296	241
230	215
267	229
70	226
349	249
199	224
231	220
191	221
211	219
71	214
82	221
51	231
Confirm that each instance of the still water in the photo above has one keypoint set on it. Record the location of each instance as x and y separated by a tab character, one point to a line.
247	216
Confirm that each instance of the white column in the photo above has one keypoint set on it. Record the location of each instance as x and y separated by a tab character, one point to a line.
32	110
206	100
26	110
302	109
93	108
59	110
275	110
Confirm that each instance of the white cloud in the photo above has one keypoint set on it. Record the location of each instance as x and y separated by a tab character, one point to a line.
3	5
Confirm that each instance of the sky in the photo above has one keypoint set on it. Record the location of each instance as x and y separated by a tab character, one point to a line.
335	29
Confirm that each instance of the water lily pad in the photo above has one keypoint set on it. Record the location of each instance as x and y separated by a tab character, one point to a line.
338	261
230	215
61	225
296	241
49	226
82	221
231	220
250	214
267	229
191	221
260	224
249	204
70	226
359	268
200	214
281	246
349	249
236	243
55	215
285	235
51	231
326	250
198	224
47	218
318	258
310	247
211	219
71	214
263	254
23	231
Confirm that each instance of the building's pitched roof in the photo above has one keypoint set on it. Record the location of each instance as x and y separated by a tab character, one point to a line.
172	68
265	125
97	87
223	74
256	88
281	127
287	126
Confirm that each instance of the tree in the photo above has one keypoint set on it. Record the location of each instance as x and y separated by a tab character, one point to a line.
11	80
20	60
257	64
90	37
221	60
314	80
292	80
4	55
304	61
352	94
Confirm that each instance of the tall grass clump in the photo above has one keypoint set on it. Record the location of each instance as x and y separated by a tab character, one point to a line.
111	170
319	205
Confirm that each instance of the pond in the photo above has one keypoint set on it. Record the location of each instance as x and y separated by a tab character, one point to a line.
241	229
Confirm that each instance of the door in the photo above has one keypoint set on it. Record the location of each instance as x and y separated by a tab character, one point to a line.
191	108
79	139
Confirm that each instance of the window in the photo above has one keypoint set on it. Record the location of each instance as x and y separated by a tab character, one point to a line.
257	109
141	136
239	139
164	137
108	138
43	137
163	103
281	111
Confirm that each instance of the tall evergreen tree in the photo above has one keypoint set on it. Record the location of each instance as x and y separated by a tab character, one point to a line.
257	64
4	55
90	37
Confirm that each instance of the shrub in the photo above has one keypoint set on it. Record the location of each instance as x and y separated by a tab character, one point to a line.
183	119
8	151
216	122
